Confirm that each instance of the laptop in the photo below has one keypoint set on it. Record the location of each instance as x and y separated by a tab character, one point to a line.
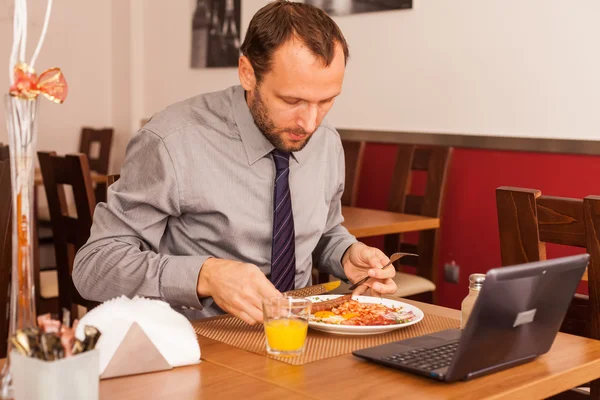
514	320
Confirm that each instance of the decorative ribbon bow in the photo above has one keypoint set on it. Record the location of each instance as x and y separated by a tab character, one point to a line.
51	83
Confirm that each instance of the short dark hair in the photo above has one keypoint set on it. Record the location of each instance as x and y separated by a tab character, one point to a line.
281	20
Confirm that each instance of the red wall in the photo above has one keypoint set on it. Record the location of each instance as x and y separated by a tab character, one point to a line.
469	221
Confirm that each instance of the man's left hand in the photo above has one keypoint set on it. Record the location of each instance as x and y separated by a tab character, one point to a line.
361	260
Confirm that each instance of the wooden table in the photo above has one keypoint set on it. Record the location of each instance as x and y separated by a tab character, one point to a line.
228	372
363	222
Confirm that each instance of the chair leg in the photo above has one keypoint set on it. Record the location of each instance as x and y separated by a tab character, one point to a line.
595	389
573	394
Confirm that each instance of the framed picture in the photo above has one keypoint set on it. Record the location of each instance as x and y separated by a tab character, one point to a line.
347	7
216	34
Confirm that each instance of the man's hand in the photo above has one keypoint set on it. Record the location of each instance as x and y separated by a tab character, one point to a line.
361	260
238	288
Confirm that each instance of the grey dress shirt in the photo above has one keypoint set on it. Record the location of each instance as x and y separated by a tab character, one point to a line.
197	182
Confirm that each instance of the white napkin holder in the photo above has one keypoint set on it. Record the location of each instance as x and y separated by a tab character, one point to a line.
140	336
135	355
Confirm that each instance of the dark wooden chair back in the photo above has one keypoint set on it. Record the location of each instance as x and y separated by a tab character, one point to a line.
527	220
5	246
69	232
102	137
353	154
434	161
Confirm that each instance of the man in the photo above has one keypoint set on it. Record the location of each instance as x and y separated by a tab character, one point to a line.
229	197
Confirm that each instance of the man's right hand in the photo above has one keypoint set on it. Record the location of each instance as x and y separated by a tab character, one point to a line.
238	288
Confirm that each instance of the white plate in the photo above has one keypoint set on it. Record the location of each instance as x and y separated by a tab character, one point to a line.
364	330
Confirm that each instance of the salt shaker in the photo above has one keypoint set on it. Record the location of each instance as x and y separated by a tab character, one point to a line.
475	284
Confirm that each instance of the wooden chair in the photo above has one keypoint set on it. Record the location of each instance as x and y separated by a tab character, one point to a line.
69	232
5	246
527	220
102	137
435	162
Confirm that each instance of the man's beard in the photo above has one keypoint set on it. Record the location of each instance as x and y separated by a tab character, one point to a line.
267	127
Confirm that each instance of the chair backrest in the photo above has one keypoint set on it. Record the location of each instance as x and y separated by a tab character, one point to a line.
434	161
5	245
353	154
69	232
527	220
103	137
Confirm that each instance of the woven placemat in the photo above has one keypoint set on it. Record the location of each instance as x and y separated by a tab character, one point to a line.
313	290
319	345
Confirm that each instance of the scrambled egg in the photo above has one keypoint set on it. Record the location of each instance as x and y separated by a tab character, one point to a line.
330	317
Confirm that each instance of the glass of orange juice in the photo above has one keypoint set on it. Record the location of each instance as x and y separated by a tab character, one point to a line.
286	324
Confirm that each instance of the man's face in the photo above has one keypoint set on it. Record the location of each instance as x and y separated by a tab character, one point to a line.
295	95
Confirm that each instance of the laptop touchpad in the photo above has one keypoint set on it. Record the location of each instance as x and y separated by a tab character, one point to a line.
450	334
426	341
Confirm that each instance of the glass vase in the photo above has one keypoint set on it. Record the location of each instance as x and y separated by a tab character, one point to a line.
22	133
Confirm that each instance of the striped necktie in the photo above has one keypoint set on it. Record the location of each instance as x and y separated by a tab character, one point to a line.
283	251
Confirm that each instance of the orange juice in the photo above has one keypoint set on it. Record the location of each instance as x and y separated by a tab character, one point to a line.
286	334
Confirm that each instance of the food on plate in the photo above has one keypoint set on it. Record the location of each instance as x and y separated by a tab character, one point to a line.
352	312
329	304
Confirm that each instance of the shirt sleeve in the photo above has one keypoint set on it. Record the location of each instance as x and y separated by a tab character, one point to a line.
122	257
336	239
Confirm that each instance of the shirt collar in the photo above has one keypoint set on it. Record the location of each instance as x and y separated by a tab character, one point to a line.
255	143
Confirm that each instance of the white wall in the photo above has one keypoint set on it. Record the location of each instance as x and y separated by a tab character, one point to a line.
476	66
463	66
122	98
78	41
167	39
89	40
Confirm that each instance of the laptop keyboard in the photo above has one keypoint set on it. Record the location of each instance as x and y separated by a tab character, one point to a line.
425	359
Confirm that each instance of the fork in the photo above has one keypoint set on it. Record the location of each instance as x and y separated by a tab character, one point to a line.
393	258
